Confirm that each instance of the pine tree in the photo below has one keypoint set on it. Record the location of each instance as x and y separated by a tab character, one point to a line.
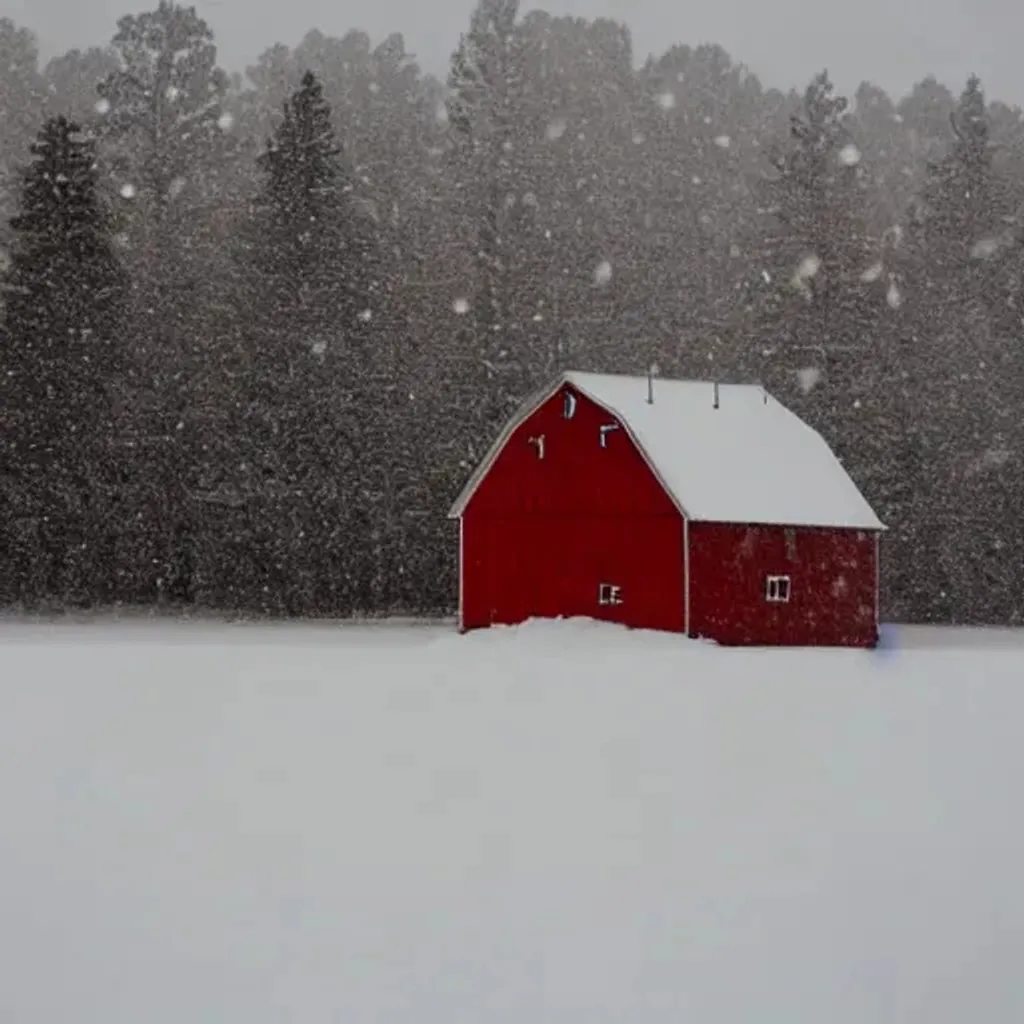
64	293
484	82
313	250
820	293
309	304
963	362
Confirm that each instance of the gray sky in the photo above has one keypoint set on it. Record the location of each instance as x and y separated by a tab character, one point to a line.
891	43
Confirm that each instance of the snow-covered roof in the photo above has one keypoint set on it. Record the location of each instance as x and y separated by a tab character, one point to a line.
750	460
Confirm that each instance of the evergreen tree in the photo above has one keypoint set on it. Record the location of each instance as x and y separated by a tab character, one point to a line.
312	251
163	141
963	361
308	309
64	294
819	293
484	84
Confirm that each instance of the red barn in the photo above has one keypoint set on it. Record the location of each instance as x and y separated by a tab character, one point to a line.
705	509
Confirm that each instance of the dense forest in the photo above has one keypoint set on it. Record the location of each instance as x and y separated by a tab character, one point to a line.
257	329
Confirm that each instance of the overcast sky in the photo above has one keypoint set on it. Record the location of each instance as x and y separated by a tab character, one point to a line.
890	42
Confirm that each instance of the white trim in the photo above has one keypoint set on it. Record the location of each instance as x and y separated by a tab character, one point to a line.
528	406
782	586
462	584
686	575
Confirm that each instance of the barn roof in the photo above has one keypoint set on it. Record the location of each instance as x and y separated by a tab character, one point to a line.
750	460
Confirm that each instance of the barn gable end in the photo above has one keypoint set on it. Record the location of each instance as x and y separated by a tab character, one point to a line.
568	455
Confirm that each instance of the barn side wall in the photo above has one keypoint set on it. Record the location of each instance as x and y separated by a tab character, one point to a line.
833	577
540	535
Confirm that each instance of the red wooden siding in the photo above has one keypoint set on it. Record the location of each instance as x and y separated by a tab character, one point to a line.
833	578
539	536
576	476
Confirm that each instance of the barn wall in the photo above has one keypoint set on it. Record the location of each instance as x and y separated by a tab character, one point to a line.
541	535
551	566
576	476
833	575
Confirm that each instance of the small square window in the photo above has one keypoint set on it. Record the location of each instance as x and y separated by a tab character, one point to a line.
777	589
609	594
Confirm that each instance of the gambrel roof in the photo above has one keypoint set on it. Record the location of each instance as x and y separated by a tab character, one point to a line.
726	453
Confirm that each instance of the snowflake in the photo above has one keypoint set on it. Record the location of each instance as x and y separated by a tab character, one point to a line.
873	273
808	378
555	129
226	122
893	296
849	155
102	107
461	306
128	191
666	100
985	248
366	315
723	141
176	187
602	273
172	93
374	88
638	138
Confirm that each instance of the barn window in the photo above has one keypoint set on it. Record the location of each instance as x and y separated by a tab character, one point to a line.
569	409
776	589
538	443
609	594
606	429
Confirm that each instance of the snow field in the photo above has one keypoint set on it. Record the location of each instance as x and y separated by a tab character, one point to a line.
562	822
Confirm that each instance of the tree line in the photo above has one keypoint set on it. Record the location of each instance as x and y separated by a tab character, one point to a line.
258	329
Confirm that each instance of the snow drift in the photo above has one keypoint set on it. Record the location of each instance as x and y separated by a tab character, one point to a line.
557	823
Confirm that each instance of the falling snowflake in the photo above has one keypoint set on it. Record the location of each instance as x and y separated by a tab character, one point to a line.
555	129
808	267
102	107
128	191
176	187
172	93
873	273
666	100
808	378
893	296
723	141
638	138
849	155
602	273
318	347
461	306
366	315
985	248
374	88
226	121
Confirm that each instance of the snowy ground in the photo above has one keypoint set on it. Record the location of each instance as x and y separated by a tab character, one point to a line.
563	823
